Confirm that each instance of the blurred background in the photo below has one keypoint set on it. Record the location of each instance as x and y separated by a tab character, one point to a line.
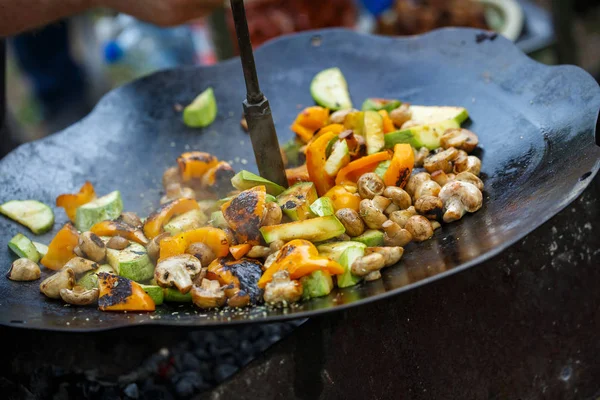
56	74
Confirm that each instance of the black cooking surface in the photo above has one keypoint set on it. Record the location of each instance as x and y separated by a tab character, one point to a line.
535	123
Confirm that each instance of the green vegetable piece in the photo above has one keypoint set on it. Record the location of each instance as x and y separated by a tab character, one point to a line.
382	168
217	219
131	263
322	207
202	111
334	250
208	206
329	89
270	198
373	131
317	284
315	230
23	247
89	280
295	202
193	219
175	296
420	136
156	293
380	104
33	214
244	180
371	238
348	257
426	115
41	248
339	158
107	207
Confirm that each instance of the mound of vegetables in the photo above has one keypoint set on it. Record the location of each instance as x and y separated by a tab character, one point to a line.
363	184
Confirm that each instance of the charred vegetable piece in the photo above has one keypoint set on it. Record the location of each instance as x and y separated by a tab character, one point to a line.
33	214
245	180
214	238
192	219
295	202
316	158
208	295
400	167
329	89
121	294
89	280
361	166
376	104
155	222
309	121
61	248
298	174
194	164
317	284
243	274
23	247
244	214
114	228
202	111
315	229
218	178
107	207
300	258
240	250
71	202
132	262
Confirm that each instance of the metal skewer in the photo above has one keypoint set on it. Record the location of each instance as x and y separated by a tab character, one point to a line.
256	106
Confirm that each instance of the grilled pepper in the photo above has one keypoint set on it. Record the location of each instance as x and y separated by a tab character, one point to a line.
244	214
298	174
61	248
70	202
316	157
116	228
400	167
300	258
155	222
240	250
121	294
194	164
388	125
354	170
309	121
343	198
218	178
214	238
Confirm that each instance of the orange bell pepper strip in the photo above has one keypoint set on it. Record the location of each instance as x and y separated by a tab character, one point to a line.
343	198
309	121
335	128
388	125
115	228
240	250
244	214
71	202
214	238
316	156
401	166
354	170
194	164
218	270
154	224
298	174
121	294
61	248
300	258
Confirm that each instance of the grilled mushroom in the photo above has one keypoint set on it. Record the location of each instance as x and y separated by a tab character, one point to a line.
259	252
420	185
459	198
208	295
430	207
202	252
131	219
282	290
419	227
398	196
171	176
92	246
371	215
80	265
420	156
370	185
401	217
63	279
177	271
441	161
272	214
364	265
351	221
470	178
117	243
395	235
391	254
153	247
23	269
79	296
401	115
461	139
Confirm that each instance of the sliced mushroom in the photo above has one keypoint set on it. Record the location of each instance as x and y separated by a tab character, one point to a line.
370	185
282	290
420	185
117	243
398	196
394	235
78	252
470	178
351	221
92	246
23	269
390	209
63	279
177	271
371	215
381	203
79	296
461	139
401	115
470	164
272	214
440	177
419	227
441	161
430	207
276	245
420	156
202	252
391	254
153	247
208	295
364	265
80	265
459	198
401	217
131	219
259	252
